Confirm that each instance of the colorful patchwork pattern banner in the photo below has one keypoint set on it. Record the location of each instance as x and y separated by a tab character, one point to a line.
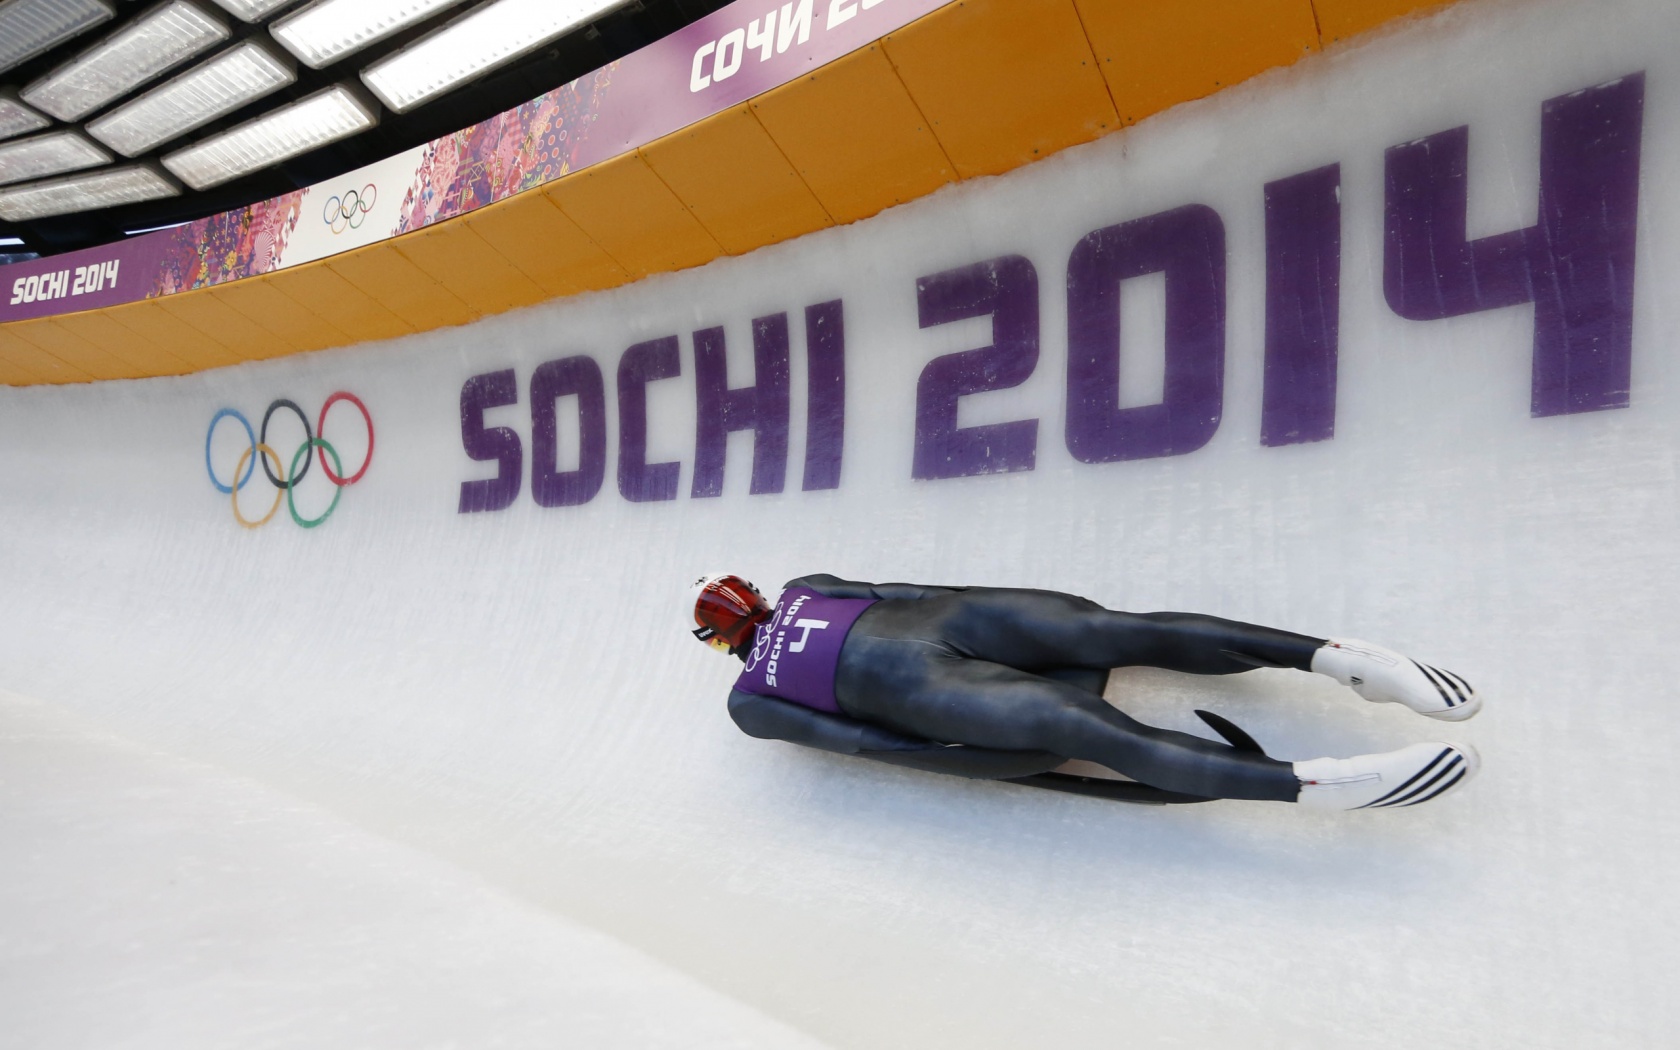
722	60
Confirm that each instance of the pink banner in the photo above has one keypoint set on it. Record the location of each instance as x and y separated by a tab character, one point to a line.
720	61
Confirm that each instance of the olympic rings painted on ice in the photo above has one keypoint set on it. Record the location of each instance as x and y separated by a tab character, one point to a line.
320	431
274	466
297	475
346	211
338	490
261	450
249	433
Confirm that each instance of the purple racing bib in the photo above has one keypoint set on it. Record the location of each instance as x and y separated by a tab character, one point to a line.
796	651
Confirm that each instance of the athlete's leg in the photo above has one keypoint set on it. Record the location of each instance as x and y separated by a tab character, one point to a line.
967	701
1042	629
1092	680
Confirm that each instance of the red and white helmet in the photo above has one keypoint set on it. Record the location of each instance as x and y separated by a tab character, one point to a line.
723	611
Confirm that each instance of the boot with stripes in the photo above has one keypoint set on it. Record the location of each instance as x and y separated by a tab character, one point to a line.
1420	773
1383	676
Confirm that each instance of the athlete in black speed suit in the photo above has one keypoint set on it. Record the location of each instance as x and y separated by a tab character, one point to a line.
1006	684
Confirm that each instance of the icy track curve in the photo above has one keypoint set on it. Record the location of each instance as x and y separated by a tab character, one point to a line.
288	777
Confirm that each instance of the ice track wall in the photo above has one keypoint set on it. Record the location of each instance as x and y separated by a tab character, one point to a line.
1380	345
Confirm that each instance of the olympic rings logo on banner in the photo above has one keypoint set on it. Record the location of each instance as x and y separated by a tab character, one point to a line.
284	479
346	212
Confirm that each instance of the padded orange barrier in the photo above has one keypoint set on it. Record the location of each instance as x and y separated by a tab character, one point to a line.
1003	83
291	322
150	322
27	359
531	232
386	275
359	316
93	361
147	356
13	374
730	175
58	343
852	132
451	254
635	218
206	311
1340	19
978	87
1155	55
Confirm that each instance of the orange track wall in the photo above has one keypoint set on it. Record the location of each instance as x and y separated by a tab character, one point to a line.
978	87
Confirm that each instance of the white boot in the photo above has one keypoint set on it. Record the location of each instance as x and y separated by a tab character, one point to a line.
1399	778
1383	676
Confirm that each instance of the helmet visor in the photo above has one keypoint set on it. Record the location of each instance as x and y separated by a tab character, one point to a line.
727	609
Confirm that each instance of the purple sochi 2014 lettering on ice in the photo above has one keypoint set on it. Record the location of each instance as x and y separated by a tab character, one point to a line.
825	395
1303	307
638	480
1576	265
501	444
1188	245
553	380
1005	288
761	407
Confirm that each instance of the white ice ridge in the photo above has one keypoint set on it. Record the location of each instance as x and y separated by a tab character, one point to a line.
215	911
503	692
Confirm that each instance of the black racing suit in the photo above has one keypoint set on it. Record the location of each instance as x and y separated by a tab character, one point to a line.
1000	683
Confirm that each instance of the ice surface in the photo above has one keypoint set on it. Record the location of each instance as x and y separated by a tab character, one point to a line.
154	901
502	702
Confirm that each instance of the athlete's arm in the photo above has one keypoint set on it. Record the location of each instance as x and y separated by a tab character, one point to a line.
769	718
834	587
